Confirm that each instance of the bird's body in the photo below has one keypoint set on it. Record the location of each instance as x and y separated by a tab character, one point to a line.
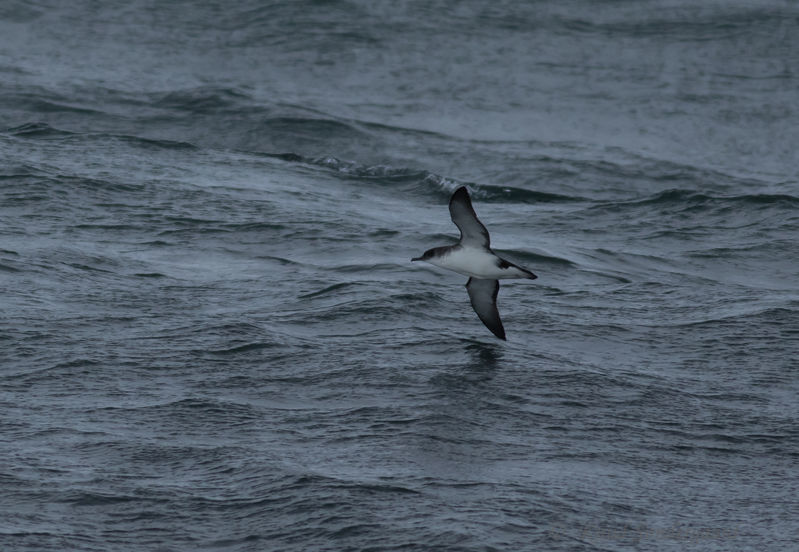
477	262
472	256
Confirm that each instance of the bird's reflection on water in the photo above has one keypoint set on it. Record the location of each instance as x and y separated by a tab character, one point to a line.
485	355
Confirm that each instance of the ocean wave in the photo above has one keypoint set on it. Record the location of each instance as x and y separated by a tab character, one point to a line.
374	307
426	181
187	406
329	289
328	128
37	130
147	143
682	200
45	102
679	196
202	99
247	347
703	25
742	251
768	316
75	182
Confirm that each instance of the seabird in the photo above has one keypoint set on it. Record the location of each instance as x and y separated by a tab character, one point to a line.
472	256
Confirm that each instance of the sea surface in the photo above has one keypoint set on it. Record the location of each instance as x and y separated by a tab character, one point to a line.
212	336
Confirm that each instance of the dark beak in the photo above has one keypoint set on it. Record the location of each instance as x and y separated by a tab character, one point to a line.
416	259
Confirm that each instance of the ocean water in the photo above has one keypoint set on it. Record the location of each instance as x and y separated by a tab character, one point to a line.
212	337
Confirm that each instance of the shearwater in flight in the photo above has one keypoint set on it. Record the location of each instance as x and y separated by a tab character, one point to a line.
472	257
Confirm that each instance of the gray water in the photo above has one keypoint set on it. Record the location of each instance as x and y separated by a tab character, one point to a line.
212	336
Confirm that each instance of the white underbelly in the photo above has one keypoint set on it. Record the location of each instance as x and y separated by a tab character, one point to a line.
475	263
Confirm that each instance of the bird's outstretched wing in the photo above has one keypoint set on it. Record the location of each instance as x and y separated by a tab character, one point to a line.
472	230
483	294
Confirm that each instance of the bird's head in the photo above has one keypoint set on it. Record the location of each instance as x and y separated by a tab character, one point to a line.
427	255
